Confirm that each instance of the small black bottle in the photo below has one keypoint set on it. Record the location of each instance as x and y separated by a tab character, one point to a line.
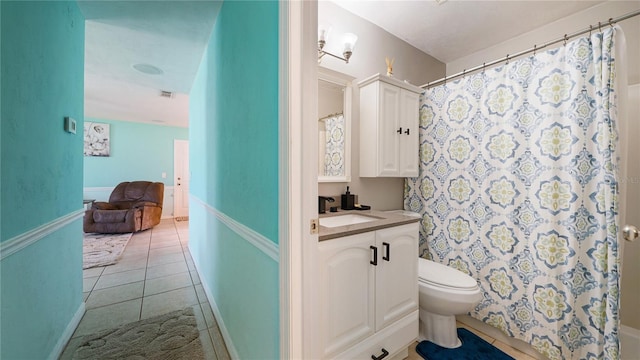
348	200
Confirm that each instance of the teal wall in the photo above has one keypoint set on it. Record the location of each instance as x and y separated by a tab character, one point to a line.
237	111
138	152
234	166
43	65
41	76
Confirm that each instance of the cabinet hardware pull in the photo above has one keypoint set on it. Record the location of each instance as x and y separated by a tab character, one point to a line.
386	250
399	131
407	132
384	354
374	262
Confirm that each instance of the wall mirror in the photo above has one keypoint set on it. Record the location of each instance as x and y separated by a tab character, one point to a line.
334	126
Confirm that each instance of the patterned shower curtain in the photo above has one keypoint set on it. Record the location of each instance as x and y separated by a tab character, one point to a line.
334	147
518	188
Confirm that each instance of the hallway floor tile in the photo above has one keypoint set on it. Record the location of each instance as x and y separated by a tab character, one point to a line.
154	276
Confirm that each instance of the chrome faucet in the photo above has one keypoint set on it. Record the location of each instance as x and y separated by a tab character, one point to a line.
321	203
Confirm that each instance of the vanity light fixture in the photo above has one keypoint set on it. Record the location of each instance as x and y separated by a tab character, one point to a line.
349	40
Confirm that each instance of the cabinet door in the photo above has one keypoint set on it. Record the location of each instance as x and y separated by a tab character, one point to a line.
397	277
347	282
389	124
409	143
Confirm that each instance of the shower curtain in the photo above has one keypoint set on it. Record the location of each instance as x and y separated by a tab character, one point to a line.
334	145
518	188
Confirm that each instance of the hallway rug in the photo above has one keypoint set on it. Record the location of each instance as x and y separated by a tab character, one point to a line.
103	249
473	348
172	336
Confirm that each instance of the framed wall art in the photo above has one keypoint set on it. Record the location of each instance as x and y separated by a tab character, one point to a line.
96	139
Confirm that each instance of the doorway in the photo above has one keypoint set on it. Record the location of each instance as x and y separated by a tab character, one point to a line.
181	179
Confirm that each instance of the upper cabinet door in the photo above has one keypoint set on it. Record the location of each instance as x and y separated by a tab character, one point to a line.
389	123
409	147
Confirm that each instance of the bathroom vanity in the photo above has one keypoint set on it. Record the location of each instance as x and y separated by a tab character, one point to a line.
368	284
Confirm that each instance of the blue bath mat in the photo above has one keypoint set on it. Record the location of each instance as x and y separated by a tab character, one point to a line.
473	348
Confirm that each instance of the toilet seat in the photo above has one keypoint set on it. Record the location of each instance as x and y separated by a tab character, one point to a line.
443	276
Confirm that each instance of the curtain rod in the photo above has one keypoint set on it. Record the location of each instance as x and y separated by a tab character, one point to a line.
535	48
331	115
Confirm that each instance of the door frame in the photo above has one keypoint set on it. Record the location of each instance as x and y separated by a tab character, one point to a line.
298	185
175	187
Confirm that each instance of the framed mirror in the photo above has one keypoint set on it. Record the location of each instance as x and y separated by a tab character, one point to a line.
334	126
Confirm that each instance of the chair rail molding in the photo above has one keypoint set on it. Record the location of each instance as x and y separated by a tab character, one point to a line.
17	243
256	239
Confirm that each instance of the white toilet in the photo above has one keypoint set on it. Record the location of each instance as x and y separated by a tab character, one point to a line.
444	293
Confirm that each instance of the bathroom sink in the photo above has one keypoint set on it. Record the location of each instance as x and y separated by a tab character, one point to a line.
347	219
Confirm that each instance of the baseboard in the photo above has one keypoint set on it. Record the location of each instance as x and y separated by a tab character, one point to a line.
68	333
630	343
233	353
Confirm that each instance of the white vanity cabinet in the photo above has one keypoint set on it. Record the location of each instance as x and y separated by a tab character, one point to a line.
389	124
369	293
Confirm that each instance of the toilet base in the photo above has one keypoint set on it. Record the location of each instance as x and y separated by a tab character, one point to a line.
439	329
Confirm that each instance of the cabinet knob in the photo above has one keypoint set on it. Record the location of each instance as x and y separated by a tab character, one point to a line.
399	131
382	356
406	132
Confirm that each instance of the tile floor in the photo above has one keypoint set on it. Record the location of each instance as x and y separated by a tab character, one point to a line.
514	353
155	276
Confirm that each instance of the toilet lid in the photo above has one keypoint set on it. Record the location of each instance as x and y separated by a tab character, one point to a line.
445	276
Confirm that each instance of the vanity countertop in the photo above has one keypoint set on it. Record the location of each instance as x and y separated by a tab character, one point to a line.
384	220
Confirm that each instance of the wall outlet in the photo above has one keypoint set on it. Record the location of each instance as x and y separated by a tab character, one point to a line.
69	125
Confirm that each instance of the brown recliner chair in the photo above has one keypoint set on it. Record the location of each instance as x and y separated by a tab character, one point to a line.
133	206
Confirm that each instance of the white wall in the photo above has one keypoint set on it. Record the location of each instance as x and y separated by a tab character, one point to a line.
557	29
374	44
630	288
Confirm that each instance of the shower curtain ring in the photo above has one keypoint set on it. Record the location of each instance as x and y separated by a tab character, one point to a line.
599	26
565	39
535	48
611	22
464	71
590	28
484	66
507	63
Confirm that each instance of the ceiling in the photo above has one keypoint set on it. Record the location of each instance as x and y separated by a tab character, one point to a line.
450	30
169	35
172	35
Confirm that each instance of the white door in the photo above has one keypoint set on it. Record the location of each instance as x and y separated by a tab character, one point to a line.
181	178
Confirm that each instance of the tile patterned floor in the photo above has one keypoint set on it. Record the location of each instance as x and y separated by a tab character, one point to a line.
155	276
513	352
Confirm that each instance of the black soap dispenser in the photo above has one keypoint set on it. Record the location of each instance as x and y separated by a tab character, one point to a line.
348	200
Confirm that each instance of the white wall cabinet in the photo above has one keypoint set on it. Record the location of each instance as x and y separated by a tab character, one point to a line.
369	293
389	124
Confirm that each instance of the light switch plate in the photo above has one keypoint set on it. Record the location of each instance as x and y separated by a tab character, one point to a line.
69	125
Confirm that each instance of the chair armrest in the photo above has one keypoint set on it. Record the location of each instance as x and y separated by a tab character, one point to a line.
100	205
142	204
